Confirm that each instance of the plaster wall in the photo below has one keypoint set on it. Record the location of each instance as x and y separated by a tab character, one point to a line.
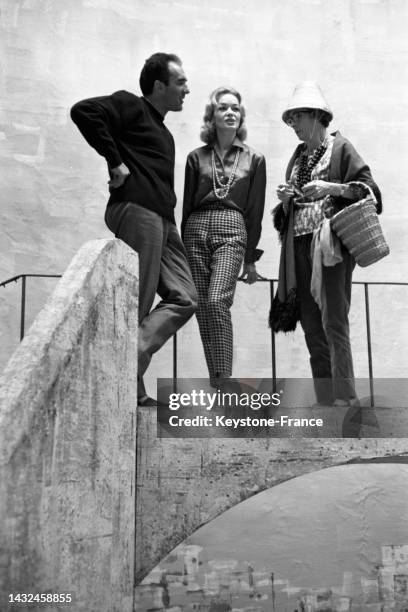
53	185
67	441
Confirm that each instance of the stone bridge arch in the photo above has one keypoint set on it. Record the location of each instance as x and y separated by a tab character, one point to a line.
182	484
335	538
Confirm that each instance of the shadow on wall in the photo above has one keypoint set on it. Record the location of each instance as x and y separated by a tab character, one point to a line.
333	540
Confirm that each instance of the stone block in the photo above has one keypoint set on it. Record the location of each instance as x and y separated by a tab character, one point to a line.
67	439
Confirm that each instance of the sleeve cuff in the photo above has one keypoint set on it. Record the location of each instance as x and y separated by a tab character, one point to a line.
113	161
359	190
253	255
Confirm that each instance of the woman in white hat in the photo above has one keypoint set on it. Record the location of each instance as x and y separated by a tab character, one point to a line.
324	175
224	196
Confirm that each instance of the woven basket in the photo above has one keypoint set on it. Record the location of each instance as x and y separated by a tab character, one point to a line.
360	231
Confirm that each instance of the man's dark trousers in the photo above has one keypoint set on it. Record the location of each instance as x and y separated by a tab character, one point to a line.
163	269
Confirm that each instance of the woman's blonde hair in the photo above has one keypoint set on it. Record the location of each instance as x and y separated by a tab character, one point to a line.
208	132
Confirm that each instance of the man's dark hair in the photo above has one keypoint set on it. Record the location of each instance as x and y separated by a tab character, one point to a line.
155	68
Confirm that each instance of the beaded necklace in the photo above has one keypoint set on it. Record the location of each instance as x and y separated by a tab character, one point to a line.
307	163
221	189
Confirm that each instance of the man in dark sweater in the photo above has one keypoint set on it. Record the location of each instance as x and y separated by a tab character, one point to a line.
129	132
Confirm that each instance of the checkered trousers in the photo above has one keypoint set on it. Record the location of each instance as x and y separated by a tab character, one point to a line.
215	241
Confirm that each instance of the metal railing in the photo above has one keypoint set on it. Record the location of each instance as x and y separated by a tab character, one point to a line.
23	293
271	282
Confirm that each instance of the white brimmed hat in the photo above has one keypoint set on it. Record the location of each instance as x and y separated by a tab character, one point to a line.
307	95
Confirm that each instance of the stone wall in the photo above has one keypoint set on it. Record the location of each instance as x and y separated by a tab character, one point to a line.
67	438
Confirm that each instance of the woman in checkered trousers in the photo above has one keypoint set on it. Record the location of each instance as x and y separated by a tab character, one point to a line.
224	196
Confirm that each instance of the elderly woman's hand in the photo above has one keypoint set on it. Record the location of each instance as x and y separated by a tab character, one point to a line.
316	190
285	192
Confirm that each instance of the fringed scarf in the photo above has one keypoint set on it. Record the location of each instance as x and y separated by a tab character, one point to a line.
285	310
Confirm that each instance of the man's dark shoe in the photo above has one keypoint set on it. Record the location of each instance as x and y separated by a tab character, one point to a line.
149	402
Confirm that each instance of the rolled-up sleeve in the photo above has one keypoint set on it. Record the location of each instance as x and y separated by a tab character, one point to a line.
190	189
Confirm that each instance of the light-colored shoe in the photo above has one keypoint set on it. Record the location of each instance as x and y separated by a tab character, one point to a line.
341	403
147	401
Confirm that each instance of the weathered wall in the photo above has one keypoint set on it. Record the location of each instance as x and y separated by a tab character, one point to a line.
336	540
189	482
53	185
67	440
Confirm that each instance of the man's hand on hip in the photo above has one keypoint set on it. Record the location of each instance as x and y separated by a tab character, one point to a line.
119	176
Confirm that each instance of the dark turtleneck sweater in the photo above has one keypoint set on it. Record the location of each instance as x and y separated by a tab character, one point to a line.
125	128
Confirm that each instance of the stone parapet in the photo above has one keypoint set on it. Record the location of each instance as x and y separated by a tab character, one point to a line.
67	440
